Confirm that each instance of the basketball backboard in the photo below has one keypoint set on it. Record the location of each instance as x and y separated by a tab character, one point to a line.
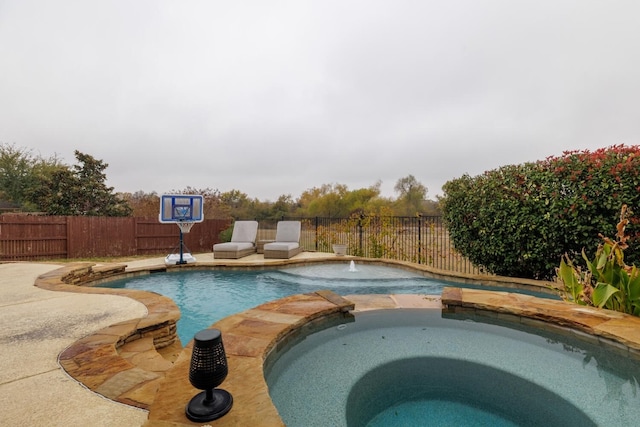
181	208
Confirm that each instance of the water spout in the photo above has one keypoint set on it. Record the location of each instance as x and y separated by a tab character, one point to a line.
352	266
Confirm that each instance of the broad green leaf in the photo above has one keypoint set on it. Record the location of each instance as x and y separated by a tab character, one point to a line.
634	285
603	293
590	265
622	282
602	261
569	279
608	273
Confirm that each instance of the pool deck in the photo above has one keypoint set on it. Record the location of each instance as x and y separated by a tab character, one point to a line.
66	351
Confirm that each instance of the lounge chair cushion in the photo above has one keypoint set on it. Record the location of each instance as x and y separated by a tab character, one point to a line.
232	246
281	246
288	231
244	231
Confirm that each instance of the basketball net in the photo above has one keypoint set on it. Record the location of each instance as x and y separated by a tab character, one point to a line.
185	226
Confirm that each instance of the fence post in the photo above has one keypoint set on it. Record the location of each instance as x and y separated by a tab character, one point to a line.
419	238
360	232
316	236
69	244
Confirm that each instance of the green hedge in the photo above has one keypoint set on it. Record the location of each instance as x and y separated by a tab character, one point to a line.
519	220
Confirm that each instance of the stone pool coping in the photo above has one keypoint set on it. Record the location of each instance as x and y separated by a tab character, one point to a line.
139	363
617	330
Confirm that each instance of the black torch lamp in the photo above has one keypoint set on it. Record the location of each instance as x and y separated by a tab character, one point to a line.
207	371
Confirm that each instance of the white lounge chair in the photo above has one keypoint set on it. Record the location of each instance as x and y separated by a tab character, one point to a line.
243	241
287	242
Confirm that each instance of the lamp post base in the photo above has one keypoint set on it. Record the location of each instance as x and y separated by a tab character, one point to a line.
201	410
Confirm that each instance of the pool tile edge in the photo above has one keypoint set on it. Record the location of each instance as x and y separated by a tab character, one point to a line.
610	327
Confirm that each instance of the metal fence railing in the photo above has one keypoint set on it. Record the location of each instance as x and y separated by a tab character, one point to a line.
421	240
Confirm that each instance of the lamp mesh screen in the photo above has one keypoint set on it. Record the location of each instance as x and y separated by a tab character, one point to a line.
208	361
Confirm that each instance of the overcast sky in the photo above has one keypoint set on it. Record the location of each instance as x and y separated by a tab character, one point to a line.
276	97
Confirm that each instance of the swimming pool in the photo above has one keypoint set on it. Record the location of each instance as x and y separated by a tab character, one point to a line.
415	367
206	296
613	404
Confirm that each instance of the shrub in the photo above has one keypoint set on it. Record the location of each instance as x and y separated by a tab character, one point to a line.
519	220
225	235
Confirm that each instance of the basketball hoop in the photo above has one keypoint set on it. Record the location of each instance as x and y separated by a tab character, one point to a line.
184	210
185	226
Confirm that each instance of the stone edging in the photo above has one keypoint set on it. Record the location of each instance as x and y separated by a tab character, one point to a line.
248	338
617	330
95	360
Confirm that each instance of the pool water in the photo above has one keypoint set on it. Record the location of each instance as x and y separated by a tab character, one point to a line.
206	296
408	367
414	413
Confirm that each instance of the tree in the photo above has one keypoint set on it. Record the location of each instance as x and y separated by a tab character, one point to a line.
330	202
362	200
238	204
20	172
283	207
337	201
79	190
15	172
143	204
412	195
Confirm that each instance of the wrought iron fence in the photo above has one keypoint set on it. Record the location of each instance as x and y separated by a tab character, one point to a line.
421	240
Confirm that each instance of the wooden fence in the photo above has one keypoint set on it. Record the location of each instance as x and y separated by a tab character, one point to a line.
32	237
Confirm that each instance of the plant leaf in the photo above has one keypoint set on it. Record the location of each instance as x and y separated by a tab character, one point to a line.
634	285
567	274
603	293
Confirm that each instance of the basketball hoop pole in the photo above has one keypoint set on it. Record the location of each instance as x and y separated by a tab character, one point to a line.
182	261
185	227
